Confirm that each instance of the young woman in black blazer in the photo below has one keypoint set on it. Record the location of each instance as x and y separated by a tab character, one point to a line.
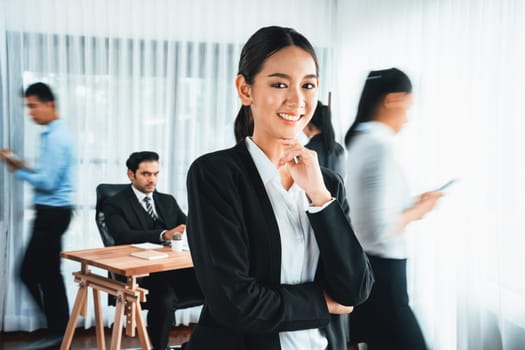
270	237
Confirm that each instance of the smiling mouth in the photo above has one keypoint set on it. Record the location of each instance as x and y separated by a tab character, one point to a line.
289	117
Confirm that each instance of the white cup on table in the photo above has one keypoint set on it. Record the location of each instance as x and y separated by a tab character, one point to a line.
177	243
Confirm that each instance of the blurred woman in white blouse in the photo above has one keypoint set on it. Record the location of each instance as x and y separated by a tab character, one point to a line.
380	209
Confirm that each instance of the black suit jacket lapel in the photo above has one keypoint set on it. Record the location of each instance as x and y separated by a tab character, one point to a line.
137	208
271	229
159	208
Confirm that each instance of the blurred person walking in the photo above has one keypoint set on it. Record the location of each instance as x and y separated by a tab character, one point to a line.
381	208
52	182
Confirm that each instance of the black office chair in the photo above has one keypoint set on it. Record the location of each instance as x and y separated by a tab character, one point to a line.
105	191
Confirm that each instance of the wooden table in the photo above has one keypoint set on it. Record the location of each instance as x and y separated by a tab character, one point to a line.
129	295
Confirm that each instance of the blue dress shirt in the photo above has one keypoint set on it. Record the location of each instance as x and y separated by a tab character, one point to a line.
52	179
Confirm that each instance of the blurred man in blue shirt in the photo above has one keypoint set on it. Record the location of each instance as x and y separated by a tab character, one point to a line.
52	181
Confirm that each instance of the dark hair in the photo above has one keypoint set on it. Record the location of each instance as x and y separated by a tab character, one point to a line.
136	158
377	85
41	91
243	125
261	45
322	120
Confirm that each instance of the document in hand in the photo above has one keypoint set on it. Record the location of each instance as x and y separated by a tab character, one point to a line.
150	255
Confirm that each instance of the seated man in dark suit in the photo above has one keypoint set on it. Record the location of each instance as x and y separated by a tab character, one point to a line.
141	214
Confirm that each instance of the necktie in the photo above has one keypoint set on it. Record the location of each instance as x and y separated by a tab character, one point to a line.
149	208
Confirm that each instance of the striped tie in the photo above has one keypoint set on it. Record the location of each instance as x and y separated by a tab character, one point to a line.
149	208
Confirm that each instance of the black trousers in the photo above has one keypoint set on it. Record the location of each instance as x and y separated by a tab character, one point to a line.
385	320
168	291
40	269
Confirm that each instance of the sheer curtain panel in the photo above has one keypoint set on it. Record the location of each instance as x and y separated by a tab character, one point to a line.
465	59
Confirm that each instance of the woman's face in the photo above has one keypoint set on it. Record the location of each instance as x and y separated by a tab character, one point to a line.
404	106
396	106
283	95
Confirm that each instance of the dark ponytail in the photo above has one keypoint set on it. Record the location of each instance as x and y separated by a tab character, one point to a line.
243	125
322	120
377	85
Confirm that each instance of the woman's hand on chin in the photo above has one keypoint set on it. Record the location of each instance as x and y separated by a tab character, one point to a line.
305	171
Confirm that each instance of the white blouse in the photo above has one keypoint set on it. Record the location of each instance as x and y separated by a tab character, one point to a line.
299	249
377	191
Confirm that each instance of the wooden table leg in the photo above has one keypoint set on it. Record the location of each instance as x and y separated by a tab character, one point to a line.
141	329
116	336
83	308
130	319
130	308
72	323
101	342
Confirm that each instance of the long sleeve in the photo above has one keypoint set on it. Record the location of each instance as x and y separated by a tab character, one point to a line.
346	272
122	231
52	178
223	231
122	214
44	177
378	193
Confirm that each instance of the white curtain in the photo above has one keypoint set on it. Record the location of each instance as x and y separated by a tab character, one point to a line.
4	199
466	60
129	75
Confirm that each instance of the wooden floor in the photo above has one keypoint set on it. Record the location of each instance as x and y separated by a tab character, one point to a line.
85	339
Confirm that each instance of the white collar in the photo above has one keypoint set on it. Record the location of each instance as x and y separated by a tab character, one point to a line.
375	127
140	195
267	171
264	166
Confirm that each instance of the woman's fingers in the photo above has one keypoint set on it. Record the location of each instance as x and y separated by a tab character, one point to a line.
305	171
297	153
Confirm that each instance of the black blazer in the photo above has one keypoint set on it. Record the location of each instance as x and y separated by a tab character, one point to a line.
334	161
236	251
128	222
